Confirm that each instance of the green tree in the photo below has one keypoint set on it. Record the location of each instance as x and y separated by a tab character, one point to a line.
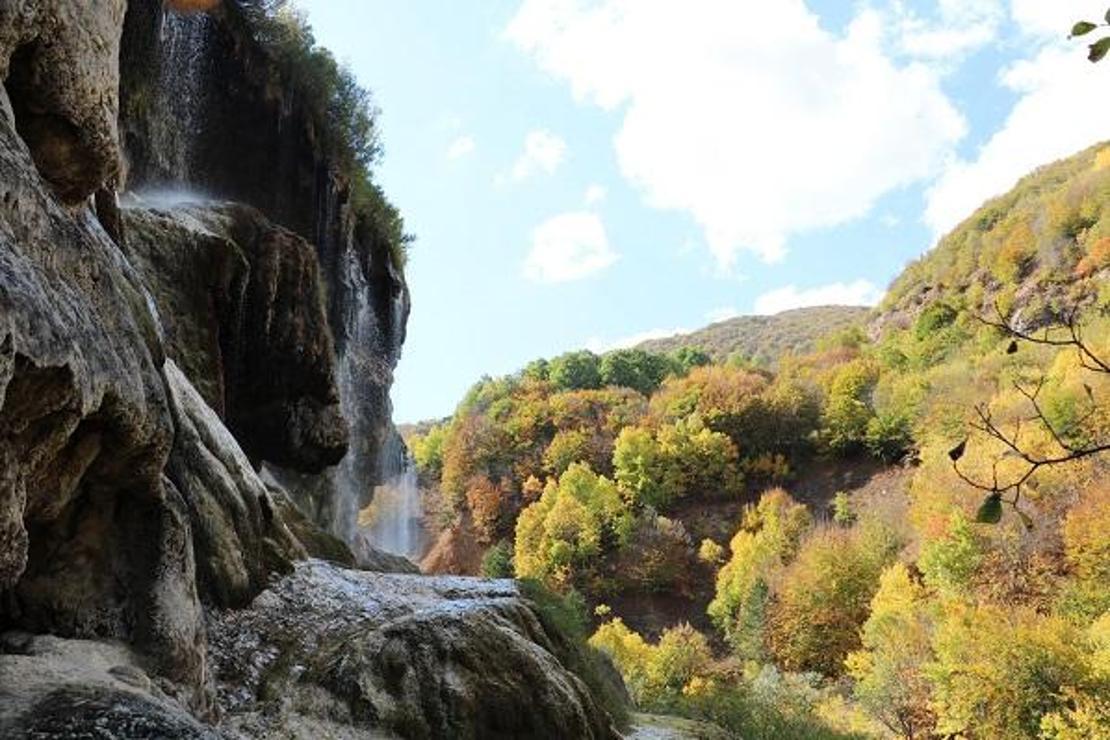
576	519
634	368
576	371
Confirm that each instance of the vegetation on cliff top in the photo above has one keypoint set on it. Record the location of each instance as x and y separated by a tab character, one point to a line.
343	113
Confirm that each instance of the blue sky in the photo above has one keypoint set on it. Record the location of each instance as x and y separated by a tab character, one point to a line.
583	173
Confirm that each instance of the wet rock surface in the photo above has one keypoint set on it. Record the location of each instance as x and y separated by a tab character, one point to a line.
241	303
414	655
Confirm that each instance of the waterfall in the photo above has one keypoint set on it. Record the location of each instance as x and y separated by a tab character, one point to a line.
353	478
181	88
393	521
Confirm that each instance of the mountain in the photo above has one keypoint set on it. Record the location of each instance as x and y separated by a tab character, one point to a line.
767	337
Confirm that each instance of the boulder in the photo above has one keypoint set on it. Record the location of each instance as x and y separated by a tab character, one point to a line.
418	656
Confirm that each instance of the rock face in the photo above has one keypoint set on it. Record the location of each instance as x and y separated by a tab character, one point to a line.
60	64
205	108
153	582
241	304
422	657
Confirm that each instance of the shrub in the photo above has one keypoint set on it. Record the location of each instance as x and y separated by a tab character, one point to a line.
498	561
888	670
823	596
949	563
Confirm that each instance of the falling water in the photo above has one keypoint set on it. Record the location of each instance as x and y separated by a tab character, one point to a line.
184	64
393	521
352	481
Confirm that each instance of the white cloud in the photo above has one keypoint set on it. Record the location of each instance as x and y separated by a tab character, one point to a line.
595	194
461	147
957	27
570	246
599	346
858	293
1060	110
543	152
721	314
750	116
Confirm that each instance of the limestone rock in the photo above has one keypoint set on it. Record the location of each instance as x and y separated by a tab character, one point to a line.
60	63
91	540
239	538
76	689
240	300
422	657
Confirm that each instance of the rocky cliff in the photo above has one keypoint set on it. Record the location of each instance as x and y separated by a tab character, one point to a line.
191	312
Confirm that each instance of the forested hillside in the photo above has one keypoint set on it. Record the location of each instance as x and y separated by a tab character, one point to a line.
763	339
957	585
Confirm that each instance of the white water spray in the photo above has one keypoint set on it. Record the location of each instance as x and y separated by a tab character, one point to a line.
393	521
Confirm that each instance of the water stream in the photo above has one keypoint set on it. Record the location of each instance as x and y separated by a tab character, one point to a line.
185	41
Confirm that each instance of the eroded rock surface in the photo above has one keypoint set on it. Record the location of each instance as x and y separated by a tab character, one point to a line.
60	64
241	303
422	657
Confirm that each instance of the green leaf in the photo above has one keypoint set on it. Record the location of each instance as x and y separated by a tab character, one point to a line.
1099	49
1082	28
1108	16
990	511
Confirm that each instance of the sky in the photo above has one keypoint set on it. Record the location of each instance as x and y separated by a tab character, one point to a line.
590	173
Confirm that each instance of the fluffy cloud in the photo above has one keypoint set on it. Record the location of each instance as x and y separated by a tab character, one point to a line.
957	27
751	117
1060	109
570	246
543	152
595	194
859	293
460	147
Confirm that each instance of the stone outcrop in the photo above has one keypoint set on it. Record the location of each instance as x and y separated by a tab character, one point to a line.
421	657
60	64
241	304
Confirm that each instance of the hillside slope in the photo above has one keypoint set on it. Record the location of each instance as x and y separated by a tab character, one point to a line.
1042	245
765	337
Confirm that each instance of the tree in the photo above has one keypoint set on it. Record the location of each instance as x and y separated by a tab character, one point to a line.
427	451
685	359
680	459
848	410
822	597
767	539
998	672
949	563
1066	446
576	519
576	371
896	645
634	368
